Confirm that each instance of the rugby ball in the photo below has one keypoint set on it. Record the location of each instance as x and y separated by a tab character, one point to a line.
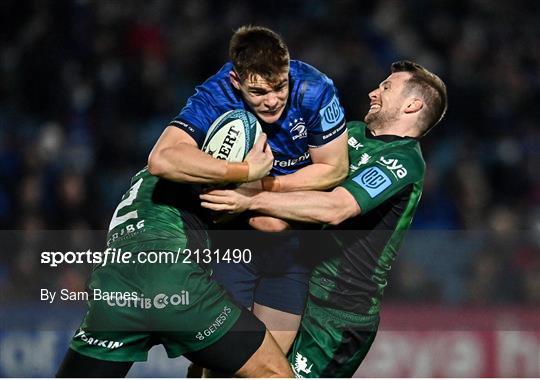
232	135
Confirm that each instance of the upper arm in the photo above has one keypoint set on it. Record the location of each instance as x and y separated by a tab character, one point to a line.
170	137
326	121
334	154
373	184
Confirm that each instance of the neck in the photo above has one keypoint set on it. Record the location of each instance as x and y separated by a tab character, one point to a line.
397	128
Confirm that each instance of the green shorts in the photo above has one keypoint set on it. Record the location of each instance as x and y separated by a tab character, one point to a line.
136	306
331	342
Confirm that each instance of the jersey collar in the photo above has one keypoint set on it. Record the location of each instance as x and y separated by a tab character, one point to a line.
385	138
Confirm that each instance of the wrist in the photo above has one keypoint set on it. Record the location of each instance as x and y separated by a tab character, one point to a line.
271	184
255	202
236	172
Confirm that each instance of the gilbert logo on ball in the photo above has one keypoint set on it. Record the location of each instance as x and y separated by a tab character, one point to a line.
232	135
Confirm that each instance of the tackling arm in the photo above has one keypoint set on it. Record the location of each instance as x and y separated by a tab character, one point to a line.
304	206
308	206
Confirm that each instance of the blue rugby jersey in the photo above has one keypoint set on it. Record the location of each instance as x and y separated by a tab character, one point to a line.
313	115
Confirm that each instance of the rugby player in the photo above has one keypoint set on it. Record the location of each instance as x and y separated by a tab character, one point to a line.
299	110
174	302
367	216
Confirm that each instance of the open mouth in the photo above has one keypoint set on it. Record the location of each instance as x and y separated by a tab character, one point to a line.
271	112
374	107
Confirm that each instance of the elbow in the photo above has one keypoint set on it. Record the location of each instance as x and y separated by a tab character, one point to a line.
336	218
155	164
341	174
338	175
343	207
333	215
342	170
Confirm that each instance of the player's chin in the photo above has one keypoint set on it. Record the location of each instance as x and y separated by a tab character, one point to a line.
370	117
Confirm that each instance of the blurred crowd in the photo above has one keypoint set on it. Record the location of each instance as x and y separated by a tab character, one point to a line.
86	87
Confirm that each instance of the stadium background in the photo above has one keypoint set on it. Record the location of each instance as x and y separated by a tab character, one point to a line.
86	87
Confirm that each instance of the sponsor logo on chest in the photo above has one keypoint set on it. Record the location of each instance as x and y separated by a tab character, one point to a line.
394	166
353	142
291	161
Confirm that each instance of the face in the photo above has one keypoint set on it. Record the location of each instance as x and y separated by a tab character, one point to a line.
266	100
387	100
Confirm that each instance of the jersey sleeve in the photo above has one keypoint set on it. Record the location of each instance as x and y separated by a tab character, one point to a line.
373	184
197	115
326	120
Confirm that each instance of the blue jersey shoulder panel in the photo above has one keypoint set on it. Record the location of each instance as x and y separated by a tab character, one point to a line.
318	99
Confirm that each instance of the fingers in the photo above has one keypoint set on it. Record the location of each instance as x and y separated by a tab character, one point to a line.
268	151
216	206
215	198
217	193
260	144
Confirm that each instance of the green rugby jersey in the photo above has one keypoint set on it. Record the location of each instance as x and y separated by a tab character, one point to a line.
385	178
154	212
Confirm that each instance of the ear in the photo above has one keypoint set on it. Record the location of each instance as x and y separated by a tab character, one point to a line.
414	105
235	79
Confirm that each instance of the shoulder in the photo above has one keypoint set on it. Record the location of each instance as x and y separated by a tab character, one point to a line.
378	175
313	91
356	129
404	160
309	77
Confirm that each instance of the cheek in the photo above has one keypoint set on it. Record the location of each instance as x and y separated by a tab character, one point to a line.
389	101
255	101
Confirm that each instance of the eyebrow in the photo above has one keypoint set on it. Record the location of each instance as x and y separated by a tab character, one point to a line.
386	82
278	85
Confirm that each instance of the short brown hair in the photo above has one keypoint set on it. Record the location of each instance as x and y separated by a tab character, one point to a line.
430	87
256	50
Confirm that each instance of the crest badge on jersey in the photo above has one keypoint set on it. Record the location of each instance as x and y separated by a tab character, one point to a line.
331	114
298	129
373	180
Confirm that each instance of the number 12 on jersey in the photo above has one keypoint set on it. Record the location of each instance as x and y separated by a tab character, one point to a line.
132	195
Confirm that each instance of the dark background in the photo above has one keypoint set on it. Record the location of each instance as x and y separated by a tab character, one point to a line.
86	87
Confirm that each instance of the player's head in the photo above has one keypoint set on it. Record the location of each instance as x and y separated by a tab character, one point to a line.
260	60
411	94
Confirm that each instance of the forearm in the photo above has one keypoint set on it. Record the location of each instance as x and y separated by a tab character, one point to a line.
186	163
329	168
311	207
317	176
